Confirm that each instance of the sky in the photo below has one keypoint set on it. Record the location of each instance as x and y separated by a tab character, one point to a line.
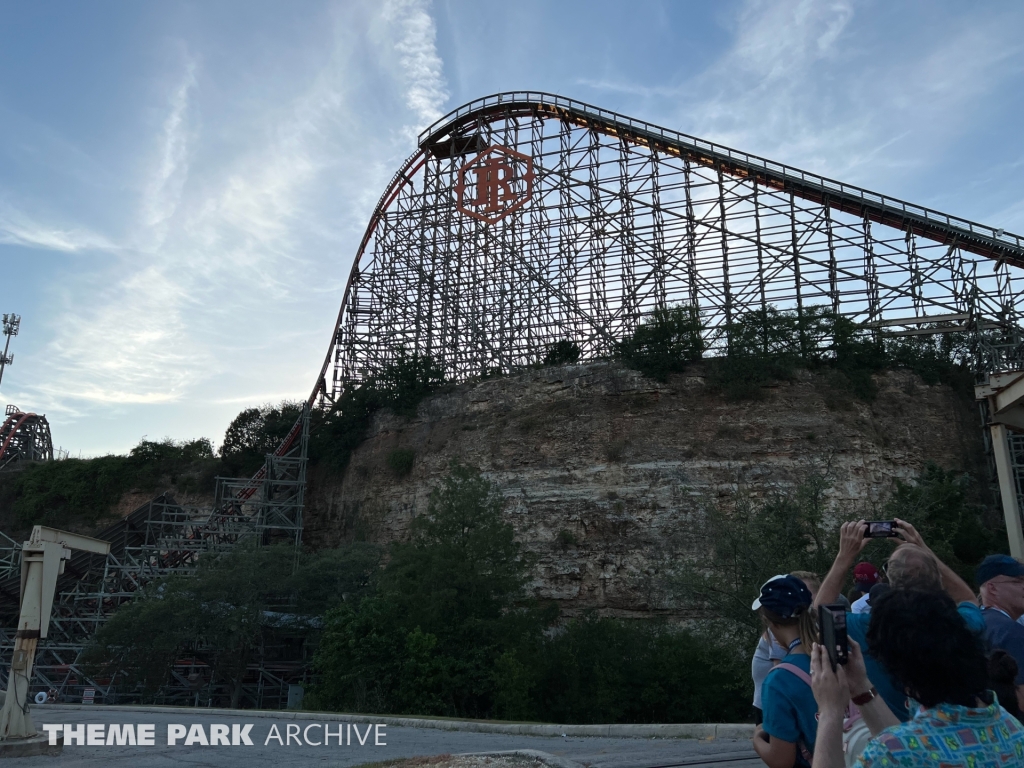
183	185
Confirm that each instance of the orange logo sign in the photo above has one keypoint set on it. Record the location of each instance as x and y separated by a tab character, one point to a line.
495	183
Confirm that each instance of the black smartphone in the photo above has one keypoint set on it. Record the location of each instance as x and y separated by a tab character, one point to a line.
832	624
881	529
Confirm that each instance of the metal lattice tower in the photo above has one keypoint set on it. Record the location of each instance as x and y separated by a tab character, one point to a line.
11	324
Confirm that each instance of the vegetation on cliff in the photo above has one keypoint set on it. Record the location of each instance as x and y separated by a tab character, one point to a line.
771	344
450	630
740	547
78	493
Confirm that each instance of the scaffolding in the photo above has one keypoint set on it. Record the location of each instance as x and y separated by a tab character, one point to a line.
159	539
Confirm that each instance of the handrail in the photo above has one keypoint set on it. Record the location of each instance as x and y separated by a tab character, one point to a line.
969	235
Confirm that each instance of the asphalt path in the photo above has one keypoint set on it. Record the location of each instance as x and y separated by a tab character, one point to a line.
398	742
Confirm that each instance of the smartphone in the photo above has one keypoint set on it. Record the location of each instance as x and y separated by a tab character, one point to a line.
881	529
832	624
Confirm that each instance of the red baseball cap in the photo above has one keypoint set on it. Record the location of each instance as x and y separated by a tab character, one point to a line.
865	573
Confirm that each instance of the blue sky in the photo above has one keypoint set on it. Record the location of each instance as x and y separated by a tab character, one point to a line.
183	185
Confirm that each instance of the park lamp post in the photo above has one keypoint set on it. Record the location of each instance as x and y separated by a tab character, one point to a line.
42	561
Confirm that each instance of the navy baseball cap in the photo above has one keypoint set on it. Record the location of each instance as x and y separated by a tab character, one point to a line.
783	595
998	565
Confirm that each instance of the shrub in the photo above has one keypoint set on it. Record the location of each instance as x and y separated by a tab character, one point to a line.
79	492
665	343
562	353
601	670
400	386
400	460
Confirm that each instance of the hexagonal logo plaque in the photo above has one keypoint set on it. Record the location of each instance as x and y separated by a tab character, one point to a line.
495	183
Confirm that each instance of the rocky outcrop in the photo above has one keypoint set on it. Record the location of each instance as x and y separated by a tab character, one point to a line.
602	468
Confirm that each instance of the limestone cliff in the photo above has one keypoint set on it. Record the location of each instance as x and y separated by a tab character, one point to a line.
602	468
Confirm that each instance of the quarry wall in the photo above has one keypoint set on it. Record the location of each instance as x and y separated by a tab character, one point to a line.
603	469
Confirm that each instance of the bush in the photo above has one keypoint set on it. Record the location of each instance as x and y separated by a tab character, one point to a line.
79	492
400	460
444	611
770	345
562	353
665	343
400	386
600	670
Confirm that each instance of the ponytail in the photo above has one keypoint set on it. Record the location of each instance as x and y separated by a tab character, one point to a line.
808	625
805	620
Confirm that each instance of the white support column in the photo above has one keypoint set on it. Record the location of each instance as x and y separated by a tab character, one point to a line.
1008	489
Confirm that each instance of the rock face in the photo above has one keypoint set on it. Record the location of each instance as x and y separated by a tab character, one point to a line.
602	469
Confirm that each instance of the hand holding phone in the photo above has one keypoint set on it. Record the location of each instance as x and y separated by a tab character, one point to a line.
832	625
881	529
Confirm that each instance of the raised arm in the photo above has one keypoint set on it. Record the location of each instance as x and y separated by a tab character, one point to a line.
876	713
851	542
953	584
832	693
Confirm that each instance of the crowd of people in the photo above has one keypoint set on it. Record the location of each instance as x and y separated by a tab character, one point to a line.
934	673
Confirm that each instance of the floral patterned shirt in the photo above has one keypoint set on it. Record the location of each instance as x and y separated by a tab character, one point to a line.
949	736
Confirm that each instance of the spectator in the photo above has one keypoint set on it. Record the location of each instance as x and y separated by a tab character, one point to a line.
911	566
786	737
810	579
767	654
865	576
1002	674
1001	579
923	642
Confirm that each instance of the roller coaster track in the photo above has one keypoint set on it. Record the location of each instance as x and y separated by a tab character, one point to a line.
24	437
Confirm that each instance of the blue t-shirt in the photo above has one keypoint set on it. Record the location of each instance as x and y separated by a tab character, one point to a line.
1002	632
790	711
888	688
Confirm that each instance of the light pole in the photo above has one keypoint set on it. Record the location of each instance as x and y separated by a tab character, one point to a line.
11	324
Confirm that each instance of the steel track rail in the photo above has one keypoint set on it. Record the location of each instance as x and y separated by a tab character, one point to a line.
996	244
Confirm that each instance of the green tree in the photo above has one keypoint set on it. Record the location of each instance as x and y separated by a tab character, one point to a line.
665	343
562	352
943	505
740	547
221	615
255	432
445	609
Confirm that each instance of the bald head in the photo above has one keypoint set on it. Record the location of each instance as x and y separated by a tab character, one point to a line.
911	567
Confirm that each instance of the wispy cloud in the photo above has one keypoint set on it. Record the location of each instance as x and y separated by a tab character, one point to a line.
818	84
18	228
422	68
163	190
228	251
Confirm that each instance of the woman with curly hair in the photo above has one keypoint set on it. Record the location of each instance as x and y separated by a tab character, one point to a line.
921	640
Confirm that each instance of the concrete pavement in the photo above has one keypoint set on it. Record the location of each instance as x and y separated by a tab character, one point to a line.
394	741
